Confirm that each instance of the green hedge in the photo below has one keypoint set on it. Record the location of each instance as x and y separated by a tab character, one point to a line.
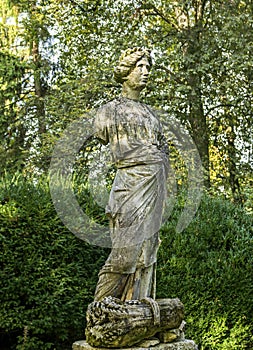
209	267
48	275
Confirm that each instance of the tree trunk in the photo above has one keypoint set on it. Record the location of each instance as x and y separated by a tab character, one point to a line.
232	167
39	90
197	119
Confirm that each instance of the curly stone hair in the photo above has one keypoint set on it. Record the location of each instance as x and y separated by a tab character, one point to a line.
127	62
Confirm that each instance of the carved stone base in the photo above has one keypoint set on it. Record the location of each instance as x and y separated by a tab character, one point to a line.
112	323
179	345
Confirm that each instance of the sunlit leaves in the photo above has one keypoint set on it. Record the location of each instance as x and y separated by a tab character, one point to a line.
202	65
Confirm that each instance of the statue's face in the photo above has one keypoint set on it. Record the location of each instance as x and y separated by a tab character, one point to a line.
138	78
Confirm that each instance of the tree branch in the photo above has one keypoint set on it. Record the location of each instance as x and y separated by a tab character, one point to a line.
162	16
73	2
94	8
167	70
220	105
8	105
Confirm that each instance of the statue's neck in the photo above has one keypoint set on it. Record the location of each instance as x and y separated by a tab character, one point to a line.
130	93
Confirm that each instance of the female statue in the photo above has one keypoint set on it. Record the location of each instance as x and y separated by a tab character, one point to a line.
137	197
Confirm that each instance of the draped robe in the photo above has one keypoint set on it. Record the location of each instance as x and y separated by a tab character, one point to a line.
136	200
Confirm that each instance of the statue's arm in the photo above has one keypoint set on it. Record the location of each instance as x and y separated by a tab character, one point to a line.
101	126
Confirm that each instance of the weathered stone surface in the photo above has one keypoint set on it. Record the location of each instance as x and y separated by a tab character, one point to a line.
112	323
124	313
148	343
180	345
172	335
169	336
135	207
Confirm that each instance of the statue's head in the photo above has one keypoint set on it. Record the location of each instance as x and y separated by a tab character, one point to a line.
127	62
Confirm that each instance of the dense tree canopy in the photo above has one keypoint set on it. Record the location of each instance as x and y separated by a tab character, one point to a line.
57	59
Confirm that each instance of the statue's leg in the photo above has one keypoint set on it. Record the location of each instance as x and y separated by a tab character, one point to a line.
143	284
132	286
148	282
125	274
110	284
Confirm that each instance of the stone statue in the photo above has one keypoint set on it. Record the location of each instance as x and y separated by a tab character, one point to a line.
124	311
137	196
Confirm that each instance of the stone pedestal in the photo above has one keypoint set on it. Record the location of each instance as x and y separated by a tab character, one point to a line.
178	345
135	325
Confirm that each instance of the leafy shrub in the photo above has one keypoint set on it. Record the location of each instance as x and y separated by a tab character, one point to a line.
209	267
48	275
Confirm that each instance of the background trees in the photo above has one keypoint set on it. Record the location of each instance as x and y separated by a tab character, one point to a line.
58	58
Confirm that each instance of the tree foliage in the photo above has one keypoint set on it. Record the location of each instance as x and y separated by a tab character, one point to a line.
202	74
